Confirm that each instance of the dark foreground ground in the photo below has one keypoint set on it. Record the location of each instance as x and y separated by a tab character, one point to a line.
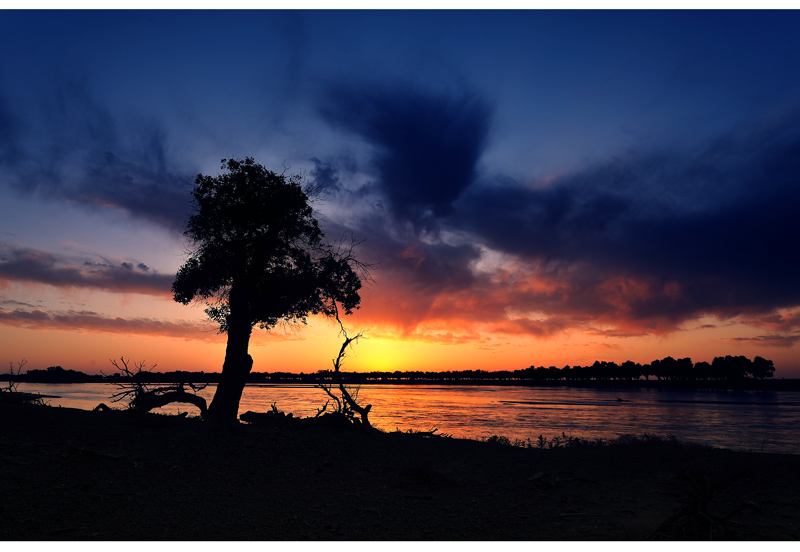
76	475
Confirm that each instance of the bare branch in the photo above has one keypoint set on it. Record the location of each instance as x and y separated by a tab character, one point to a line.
346	252
327	389
323	409
141	398
12	385
348	404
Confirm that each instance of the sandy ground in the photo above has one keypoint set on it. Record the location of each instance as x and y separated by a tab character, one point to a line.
76	475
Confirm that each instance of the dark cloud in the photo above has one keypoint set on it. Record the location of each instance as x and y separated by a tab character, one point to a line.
15	303
426	145
426	150
783	323
768	340
709	231
635	246
325	176
71	148
30	265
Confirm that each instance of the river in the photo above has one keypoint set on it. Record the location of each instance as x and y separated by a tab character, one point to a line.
739	420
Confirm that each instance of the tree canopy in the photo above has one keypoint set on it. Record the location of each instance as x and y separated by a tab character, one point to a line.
255	229
257	257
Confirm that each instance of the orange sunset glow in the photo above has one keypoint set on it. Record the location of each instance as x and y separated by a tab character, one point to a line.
554	216
345	276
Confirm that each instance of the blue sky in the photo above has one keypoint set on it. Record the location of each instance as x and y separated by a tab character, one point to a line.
618	178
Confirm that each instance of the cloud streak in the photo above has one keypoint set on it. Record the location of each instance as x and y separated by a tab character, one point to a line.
768	340
28	265
92	322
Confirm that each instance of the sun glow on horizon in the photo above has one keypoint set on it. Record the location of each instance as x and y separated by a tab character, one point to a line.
385	349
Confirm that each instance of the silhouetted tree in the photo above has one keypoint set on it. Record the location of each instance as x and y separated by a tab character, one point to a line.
702	370
731	367
683	369
667	368
761	368
630	370
258	258
57	374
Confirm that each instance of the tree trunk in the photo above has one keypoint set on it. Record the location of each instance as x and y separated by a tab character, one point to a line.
237	366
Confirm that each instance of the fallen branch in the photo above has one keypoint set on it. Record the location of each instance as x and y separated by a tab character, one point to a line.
143	399
164	396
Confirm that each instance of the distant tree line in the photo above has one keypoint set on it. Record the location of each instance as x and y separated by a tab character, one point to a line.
721	369
727	369
57	374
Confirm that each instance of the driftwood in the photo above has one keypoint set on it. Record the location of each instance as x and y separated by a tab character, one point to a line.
10	393
268	418
142	398
163	396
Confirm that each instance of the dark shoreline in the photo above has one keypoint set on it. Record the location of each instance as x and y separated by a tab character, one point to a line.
78	475
310	379
768	385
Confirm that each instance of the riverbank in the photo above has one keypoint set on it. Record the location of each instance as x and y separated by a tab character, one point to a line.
311	380
78	475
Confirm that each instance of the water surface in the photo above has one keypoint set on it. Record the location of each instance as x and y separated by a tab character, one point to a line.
740	420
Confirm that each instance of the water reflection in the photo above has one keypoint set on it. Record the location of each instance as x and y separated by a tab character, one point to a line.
739	420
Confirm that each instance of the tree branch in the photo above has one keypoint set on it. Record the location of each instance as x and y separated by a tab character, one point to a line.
143	399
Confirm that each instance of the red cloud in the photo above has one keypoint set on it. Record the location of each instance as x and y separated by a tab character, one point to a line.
521	301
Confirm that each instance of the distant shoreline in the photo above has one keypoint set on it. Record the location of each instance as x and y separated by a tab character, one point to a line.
358	379
768	385
728	372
